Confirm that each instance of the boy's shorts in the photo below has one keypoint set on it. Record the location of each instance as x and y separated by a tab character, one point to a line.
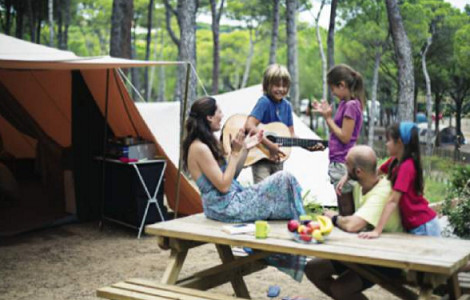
336	171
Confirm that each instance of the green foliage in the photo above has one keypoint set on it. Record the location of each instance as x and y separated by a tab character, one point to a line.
459	215
311	205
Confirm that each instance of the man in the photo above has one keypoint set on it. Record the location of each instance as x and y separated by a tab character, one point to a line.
370	195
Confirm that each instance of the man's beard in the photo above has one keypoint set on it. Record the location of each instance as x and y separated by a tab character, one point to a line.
352	175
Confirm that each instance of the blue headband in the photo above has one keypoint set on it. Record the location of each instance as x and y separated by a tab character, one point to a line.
405	131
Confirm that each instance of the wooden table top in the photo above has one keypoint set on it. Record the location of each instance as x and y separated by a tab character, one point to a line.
404	251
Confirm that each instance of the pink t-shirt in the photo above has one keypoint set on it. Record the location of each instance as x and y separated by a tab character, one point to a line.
414	208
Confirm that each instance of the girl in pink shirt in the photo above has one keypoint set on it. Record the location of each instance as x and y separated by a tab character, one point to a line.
406	174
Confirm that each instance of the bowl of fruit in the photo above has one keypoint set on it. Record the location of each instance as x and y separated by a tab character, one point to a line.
308	231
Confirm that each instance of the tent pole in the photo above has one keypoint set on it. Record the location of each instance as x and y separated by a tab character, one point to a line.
183	120
105	139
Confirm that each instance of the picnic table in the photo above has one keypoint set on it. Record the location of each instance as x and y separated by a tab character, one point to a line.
428	261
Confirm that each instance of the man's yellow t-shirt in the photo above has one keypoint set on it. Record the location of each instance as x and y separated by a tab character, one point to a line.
370	206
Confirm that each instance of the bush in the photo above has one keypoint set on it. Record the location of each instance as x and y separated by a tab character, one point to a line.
459	215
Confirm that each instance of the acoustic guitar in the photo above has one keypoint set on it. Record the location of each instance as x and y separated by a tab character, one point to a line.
276	132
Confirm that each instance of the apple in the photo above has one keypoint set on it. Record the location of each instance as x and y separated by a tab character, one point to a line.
318	236
313	225
292	225
305	237
302	229
308	229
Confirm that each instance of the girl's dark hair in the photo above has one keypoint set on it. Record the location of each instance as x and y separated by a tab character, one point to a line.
411	150
351	78
197	127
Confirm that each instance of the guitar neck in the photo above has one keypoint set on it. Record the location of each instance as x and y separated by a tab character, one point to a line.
293	142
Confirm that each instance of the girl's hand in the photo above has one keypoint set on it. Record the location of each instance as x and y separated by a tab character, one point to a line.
330	213
238	142
323	108
369	235
253	139
339	186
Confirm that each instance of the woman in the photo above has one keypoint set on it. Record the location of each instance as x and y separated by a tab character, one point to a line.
224	199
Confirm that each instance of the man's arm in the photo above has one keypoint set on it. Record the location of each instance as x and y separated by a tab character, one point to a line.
349	223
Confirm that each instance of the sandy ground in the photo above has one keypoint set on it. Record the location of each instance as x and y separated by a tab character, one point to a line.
72	261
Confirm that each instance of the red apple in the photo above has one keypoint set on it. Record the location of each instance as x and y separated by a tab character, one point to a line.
313	225
308	229
305	237
292	225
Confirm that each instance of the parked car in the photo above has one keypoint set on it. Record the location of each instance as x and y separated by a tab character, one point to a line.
447	135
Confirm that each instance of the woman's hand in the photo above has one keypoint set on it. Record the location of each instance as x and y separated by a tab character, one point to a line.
323	108
253	139
238	142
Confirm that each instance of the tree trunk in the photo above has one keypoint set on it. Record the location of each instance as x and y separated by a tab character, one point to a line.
51	22
60	23
65	38
187	23
31	17
292	59
404	59
161	71
331	41
428	97
322	53
216	49
135	76
147	48
274	32
248	60
375	83
121	24
19	7
7	24
437	99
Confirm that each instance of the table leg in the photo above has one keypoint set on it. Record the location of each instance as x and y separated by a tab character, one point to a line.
238	284
454	287
174	266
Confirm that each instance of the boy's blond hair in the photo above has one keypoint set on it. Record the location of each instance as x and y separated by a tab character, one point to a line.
274	74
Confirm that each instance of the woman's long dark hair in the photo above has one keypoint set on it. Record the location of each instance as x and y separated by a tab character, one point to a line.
411	150
197	127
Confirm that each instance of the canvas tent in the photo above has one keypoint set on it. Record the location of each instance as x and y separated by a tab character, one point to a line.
310	168
52	125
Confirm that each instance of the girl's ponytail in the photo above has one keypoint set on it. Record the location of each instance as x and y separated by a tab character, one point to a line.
357	88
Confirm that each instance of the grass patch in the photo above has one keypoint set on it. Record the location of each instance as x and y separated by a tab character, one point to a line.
434	191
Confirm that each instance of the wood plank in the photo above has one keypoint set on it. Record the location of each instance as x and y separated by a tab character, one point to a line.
179	289
238	284
119	294
156	292
208	282
435	255
173	269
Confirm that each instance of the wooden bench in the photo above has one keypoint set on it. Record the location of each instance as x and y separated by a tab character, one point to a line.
464	282
141	289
